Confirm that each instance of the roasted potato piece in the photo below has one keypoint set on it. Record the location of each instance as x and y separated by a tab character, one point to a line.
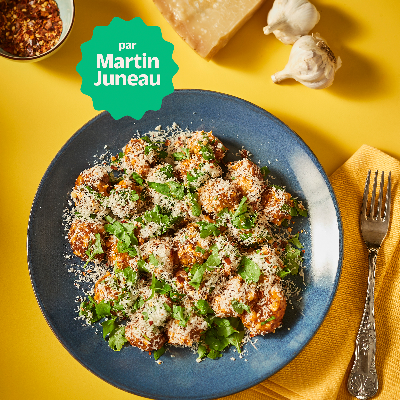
188	334
114	257
187	240
201	140
247	178
125	199
103	290
82	237
218	194
276	204
160	255
196	171
140	333
96	178
267	313
135	157
236	290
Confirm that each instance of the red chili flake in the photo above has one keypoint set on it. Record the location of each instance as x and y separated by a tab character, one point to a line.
29	28
228	260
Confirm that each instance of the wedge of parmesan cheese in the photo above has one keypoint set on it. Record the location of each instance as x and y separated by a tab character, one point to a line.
207	25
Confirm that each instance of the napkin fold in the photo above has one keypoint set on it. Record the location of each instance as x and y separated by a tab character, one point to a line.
320	371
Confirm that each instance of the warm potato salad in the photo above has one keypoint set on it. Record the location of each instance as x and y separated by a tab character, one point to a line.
193	249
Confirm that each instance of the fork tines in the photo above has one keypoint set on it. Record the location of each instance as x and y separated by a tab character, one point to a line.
372	215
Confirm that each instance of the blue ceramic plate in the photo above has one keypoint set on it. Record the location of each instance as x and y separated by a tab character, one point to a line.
237	123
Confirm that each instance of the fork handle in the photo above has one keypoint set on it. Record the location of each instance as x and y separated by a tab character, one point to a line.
363	380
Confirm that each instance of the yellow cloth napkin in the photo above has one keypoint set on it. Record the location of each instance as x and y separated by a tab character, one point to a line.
320	371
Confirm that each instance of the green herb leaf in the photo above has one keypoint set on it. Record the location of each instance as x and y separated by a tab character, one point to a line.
202	351
171	189
224	327
203	307
265	172
130	275
117	339
236	340
242	218
200	250
168	171
207	229
146	139
249	270
153	260
94	249
207	153
178	313
137	178
295	240
292	260
182	155
158	353
103	309
268	320
196	208
109	326
197	275
239	307
213	354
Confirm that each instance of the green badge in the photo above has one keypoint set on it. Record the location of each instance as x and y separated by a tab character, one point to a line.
127	68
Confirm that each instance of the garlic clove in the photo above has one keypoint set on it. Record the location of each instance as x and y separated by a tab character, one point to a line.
288	20
311	62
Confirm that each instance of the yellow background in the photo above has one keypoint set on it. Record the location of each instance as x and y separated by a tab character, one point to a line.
41	107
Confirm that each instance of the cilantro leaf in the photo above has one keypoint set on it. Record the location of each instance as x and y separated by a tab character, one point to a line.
181	155
130	275
153	260
196	208
292	260
207	229
158	353
103	309
239	307
207	152
109	326
268	320
197	275
249	270
137	178
146	139
170	189
167	170
203	307
200	250
236	340
224	327
202	351
87	309
295	240
264	172
164	220
94	249
242	218
198	270
117	339
213	354
178	313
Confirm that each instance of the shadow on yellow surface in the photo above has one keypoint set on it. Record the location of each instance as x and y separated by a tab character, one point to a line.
318	142
360	77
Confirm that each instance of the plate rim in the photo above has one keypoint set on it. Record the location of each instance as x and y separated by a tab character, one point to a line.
253	107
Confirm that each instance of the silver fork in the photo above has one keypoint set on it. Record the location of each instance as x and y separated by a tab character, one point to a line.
363	380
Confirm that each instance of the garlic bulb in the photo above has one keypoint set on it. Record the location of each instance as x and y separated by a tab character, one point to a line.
311	62
288	20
